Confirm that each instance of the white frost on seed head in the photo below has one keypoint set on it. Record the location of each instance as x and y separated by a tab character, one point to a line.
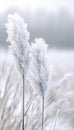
18	36
40	75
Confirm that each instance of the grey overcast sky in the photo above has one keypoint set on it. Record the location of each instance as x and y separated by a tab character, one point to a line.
52	20
50	5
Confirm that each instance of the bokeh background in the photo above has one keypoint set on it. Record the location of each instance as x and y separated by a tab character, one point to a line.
52	20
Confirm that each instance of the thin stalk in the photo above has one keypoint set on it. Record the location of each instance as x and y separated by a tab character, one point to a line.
23	104
24	116
57	114
42	112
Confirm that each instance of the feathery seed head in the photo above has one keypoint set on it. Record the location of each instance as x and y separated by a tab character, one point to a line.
18	36
16	29
40	69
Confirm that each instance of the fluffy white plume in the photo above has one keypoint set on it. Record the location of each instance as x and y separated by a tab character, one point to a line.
18	36
40	75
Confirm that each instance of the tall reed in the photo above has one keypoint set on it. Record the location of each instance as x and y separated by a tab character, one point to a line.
18	36
40	75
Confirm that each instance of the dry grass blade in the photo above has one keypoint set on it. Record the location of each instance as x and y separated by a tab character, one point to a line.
24	115
4	98
57	114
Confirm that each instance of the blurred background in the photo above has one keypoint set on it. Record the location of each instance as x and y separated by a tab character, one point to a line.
52	20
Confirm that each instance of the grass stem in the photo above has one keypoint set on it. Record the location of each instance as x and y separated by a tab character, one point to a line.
42	112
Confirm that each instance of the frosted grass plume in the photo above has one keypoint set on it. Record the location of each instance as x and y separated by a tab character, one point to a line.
40	70
18	36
